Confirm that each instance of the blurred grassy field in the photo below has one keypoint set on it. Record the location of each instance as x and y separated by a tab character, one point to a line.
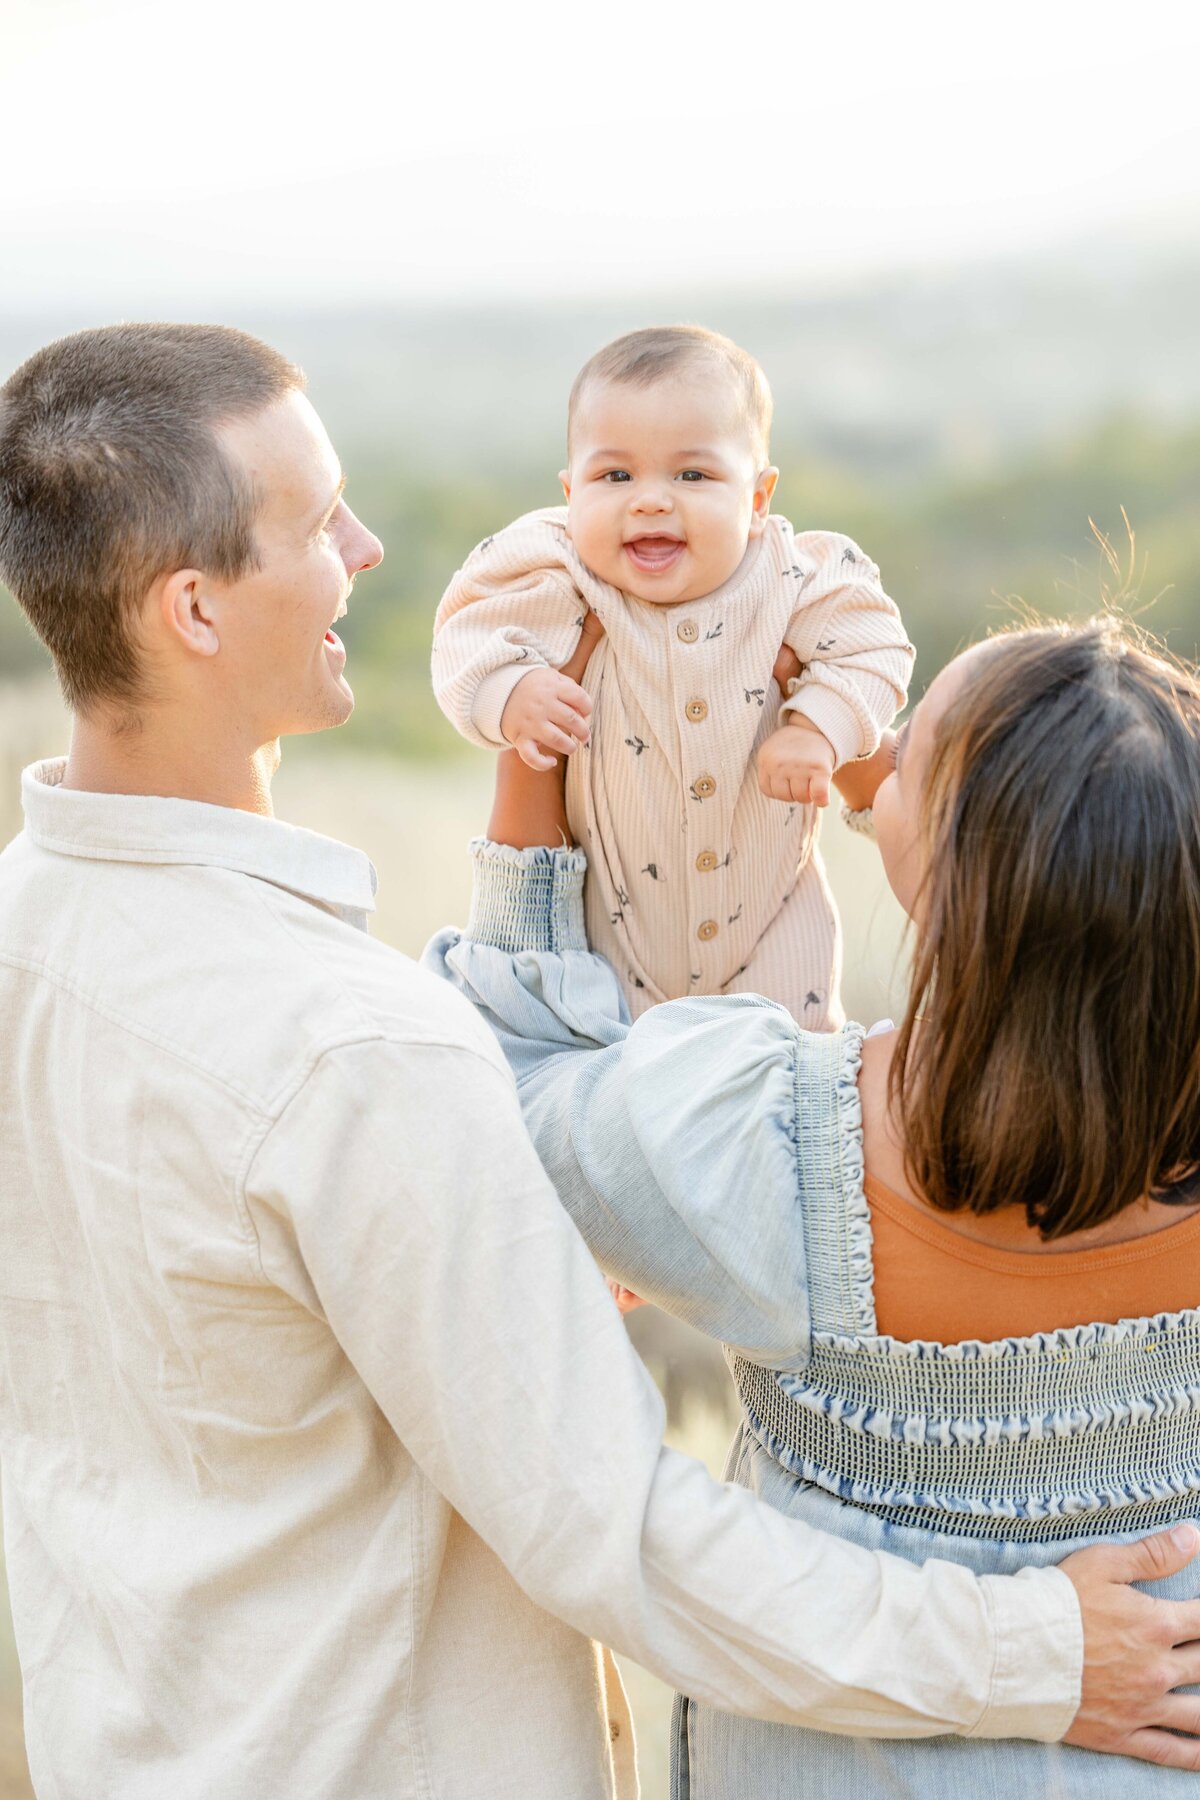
414	820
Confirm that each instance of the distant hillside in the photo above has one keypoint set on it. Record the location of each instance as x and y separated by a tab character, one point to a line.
956	367
963	427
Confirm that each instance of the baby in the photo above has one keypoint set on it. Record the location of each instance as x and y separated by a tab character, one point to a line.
692	782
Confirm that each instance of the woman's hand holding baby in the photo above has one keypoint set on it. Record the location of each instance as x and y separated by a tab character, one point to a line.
546	717
796	763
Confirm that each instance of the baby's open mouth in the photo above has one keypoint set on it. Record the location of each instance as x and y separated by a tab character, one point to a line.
654	553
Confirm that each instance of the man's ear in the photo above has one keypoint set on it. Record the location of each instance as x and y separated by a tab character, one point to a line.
764	487
564	476
184	605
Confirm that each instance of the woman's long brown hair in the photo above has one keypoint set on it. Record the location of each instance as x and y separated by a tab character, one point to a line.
1056	979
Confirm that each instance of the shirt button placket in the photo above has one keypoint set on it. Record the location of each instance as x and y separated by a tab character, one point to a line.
704	785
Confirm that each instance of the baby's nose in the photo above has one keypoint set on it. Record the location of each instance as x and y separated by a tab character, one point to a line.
651	496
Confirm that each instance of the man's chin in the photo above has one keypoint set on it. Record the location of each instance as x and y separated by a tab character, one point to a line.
340	709
333	709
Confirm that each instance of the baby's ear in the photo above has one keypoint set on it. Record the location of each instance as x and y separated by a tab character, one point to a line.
564	476
764	488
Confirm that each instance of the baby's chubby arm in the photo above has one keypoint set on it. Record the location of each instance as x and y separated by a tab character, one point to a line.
515	608
851	643
784	754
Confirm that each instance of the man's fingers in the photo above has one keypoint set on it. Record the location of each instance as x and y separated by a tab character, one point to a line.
1150	1559
1184	1666
532	756
1160	1747
1180	1621
1180	1712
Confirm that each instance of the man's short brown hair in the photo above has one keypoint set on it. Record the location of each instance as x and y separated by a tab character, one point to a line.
111	474
660	352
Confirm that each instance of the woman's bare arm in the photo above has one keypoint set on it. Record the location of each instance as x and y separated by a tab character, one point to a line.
529	806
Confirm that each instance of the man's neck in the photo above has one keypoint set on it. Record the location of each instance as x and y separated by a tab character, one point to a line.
108	757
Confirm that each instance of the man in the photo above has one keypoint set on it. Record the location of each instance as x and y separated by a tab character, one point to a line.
292	1504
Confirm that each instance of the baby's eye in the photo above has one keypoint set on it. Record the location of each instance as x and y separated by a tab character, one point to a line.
692	475
615	475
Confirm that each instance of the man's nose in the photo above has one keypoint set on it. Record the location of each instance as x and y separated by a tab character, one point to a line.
363	550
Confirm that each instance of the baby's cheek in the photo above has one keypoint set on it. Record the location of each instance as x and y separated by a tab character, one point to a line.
590	537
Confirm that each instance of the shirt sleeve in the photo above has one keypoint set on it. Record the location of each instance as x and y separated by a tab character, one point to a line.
399	1195
852	643
513	606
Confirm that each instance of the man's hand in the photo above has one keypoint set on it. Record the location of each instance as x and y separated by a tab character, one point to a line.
796	763
546	717
1136	1650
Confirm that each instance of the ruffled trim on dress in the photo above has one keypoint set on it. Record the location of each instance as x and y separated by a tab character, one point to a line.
859	1241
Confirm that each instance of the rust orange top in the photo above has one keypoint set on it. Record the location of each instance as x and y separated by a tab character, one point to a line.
933	1283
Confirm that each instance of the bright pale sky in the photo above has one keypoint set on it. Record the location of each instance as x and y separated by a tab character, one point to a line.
252	150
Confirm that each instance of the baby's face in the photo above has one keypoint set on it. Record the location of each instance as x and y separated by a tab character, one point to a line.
664	491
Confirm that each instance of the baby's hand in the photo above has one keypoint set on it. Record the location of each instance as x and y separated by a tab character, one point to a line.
796	763
546	716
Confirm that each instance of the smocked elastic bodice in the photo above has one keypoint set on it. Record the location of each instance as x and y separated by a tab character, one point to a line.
1090	1429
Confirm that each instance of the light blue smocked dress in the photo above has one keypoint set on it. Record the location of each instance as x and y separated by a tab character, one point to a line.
712	1157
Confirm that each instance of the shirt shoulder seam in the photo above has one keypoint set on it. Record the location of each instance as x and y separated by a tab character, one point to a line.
257	1139
67	985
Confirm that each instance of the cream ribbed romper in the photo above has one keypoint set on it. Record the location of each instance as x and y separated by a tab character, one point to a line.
697	883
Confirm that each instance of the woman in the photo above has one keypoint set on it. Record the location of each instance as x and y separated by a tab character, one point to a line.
954	1264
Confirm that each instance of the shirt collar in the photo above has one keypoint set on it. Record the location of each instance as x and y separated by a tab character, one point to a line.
140	828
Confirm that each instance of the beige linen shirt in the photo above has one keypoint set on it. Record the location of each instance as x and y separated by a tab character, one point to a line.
697	883
325	1455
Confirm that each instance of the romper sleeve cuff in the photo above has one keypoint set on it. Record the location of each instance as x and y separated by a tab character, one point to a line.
831	714
527	899
492	696
1038	1671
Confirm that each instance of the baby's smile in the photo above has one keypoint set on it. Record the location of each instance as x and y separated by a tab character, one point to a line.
654	553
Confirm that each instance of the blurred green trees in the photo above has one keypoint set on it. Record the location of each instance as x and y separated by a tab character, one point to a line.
955	546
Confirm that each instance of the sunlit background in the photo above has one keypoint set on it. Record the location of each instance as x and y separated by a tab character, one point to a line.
964	243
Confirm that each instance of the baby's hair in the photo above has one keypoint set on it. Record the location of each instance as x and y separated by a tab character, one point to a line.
641	358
